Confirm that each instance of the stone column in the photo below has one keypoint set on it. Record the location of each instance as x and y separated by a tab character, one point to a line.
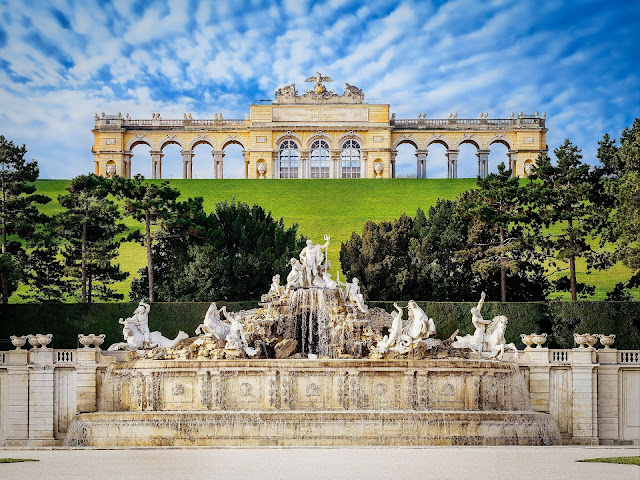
511	154
41	399
539	378
187	160
304	170
156	164
86	395
217	164
126	164
452	163
608	388
16	410
584	412
334	168
483	163
421	157
364	167
392	163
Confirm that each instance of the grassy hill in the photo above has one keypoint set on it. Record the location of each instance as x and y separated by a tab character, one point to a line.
319	207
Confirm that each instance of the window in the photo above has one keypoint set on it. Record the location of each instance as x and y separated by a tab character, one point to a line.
289	159
319	159
350	159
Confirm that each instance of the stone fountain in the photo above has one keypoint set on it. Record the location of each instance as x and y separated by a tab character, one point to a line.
311	366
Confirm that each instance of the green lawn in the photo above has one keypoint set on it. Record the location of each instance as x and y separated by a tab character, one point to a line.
622	460
334	207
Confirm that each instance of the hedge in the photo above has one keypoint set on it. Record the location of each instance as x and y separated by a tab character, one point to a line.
559	319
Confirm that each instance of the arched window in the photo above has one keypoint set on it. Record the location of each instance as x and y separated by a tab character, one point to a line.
289	159
319	159
350	159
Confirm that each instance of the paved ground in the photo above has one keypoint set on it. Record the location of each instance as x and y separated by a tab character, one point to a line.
442	463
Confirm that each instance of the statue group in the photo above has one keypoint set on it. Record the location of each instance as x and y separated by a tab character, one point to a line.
315	311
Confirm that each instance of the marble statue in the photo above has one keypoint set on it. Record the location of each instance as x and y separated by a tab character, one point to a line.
311	258
236	339
352	91
319	79
137	335
422	326
488	337
276	290
294	279
352	294
212	324
394	333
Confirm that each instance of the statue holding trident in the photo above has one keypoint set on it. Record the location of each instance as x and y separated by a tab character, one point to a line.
311	258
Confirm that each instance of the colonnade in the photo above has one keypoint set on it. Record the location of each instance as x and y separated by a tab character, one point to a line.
452	162
187	164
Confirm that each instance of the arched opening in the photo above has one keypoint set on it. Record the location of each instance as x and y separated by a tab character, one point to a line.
406	161
233	162
111	169
141	160
378	168
437	160
528	166
261	168
499	153
202	160
350	159
319	159
288	160
468	160
171	161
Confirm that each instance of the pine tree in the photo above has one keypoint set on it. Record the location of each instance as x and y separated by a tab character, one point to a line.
90	227
19	215
562	195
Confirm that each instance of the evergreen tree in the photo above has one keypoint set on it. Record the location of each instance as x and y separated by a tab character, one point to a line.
45	277
90	227
230	254
19	215
562	195
497	241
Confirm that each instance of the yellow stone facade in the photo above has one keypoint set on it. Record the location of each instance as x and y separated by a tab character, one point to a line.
357	139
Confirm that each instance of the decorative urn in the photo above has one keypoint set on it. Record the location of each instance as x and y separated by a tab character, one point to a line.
539	339
581	339
607	340
592	340
98	340
44	339
19	342
33	340
86	340
527	339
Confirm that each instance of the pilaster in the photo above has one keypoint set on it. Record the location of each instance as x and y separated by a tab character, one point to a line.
608	391
539	378
585	412
16	413
41	398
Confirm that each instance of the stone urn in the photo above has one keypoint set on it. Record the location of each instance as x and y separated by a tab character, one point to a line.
98	340
19	342
527	339
581	339
44	339
592	340
33	340
607	340
539	339
86	340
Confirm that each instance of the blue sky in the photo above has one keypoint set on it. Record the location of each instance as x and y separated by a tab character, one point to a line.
61	61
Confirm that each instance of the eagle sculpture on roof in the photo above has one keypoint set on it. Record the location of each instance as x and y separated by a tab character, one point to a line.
318	79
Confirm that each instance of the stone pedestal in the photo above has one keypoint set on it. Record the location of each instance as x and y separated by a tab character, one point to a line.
41	400
585	409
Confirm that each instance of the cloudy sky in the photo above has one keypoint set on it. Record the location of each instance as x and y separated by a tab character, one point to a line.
61	61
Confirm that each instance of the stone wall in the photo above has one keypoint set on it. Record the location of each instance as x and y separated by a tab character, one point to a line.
592	394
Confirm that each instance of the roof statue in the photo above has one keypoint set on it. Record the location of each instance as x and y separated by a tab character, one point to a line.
318	94
319	78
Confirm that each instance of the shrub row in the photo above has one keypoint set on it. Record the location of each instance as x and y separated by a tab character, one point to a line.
558	319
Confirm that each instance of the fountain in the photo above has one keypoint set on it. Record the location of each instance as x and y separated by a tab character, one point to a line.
311	366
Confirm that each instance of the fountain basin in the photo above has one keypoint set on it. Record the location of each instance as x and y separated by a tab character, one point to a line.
447	401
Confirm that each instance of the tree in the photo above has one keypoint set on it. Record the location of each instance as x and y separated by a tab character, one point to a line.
90	227
19	215
152	204
562	195
230	254
497	241
45	277
380	258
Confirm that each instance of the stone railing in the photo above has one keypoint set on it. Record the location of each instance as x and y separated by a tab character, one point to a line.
628	356
462	123
111	121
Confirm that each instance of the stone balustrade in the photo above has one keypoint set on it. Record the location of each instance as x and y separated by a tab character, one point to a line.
592	393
